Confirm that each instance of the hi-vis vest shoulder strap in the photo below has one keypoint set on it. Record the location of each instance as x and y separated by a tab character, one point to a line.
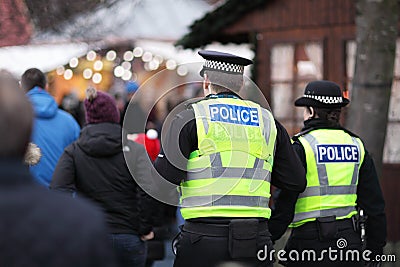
229	176
333	160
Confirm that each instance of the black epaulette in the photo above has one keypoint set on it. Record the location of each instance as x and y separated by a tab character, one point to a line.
297	136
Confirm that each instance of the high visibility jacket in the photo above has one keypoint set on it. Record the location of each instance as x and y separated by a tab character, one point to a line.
229	175
333	160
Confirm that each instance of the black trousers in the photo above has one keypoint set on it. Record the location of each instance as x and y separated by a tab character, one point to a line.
202	250
344	249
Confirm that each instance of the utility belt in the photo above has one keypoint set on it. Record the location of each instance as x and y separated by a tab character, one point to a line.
243	234
325	228
221	230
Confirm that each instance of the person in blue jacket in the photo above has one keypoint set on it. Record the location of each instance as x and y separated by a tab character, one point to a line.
53	129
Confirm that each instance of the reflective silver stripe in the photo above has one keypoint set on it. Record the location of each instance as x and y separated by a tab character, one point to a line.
338	212
354	179
258	163
321	168
217	171
229	172
267	125
206	172
260	173
203	116
216	160
195	174
329	190
225	200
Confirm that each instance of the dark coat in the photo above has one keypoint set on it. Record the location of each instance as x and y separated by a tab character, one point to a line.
40	228
95	168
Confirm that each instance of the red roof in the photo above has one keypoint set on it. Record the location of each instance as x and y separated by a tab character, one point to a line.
15	26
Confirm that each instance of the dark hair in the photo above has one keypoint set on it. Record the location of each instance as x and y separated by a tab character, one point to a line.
222	82
330	114
16	116
31	78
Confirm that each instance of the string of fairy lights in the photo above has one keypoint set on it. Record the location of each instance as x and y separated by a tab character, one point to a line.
91	65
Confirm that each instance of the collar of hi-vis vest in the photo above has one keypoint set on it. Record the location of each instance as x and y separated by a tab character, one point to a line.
315	124
224	95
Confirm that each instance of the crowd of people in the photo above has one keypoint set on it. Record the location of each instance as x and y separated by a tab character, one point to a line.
76	202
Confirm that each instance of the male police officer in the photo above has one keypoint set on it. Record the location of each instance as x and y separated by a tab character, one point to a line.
233	150
340	177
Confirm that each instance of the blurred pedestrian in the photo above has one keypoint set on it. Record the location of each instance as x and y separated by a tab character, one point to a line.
156	247
71	104
149	140
225	152
53	128
39	228
94	167
341	177
133	118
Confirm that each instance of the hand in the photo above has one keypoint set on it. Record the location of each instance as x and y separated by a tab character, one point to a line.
149	236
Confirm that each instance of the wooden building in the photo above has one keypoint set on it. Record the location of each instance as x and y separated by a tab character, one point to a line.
296	41
15	27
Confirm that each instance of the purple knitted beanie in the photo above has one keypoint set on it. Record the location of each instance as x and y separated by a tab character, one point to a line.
100	107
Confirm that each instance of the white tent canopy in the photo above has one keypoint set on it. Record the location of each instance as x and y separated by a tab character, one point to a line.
17	59
48	57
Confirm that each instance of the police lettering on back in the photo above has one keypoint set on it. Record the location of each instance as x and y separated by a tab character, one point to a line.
337	153
234	114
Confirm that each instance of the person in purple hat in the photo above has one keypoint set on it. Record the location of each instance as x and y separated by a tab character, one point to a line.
341	179
94	167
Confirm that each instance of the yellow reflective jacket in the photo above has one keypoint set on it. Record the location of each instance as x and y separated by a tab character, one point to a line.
229	175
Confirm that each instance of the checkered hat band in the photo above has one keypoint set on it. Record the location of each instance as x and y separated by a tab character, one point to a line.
223	66
326	99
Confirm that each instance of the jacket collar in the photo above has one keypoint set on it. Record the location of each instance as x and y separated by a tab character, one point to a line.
227	94
320	124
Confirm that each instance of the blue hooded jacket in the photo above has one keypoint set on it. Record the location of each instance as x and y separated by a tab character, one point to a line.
53	130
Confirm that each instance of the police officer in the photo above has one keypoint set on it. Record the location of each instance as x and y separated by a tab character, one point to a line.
341	177
232	150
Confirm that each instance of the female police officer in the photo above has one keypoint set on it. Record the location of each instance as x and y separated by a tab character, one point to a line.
341	177
232	151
